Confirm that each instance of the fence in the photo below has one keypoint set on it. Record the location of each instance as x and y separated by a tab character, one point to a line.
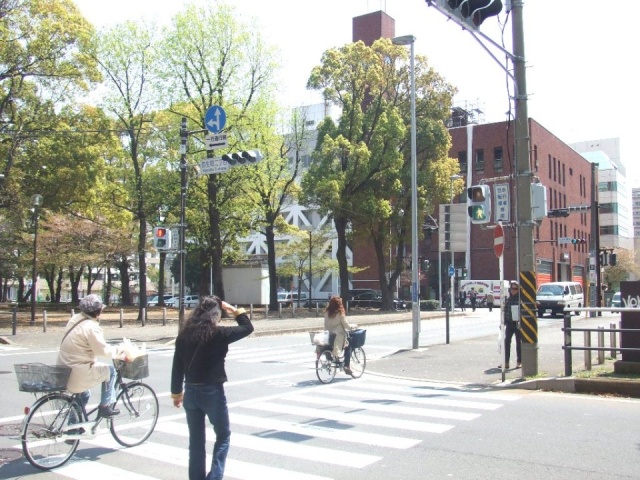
613	330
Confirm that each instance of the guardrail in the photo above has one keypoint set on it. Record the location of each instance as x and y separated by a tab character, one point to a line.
613	331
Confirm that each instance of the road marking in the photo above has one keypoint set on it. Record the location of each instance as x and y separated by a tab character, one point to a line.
350	418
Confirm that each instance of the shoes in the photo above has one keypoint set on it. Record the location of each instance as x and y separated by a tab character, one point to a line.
347	370
518	365
107	411
506	366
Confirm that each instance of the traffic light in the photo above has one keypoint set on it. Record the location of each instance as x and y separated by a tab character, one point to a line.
424	264
578	241
470	12
613	259
559	212
161	238
479	204
240	158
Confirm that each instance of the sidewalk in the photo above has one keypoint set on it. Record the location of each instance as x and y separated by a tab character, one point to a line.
473	363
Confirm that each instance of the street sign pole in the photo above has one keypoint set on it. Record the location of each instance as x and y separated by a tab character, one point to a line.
498	248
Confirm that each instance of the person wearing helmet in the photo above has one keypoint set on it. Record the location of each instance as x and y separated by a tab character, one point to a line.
82	344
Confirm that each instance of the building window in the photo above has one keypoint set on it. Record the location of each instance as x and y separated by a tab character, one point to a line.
479	160
497	159
608	208
462	160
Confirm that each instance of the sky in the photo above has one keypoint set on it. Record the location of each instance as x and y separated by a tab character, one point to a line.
581	57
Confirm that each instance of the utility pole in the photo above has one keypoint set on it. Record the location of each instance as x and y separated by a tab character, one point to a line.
526	254
184	134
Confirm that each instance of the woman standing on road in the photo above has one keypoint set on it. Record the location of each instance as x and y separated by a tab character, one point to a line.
198	361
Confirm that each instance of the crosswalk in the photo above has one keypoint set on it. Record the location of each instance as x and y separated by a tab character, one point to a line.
316	433
284	355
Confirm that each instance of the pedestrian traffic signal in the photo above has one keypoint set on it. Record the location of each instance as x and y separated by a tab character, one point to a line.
613	259
479	204
161	238
240	158
469	12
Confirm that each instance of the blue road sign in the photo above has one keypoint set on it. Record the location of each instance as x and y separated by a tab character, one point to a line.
215	119
451	271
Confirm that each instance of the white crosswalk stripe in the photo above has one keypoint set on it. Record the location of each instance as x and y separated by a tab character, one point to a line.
349	425
290	355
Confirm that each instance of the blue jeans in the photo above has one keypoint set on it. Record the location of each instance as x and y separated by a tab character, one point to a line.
210	401
108	388
108	395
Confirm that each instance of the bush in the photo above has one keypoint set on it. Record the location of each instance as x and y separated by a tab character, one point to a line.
429	305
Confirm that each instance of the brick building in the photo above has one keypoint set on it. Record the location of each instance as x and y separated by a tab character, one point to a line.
484	155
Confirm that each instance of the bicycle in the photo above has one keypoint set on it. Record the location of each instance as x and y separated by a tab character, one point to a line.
56	422
327	365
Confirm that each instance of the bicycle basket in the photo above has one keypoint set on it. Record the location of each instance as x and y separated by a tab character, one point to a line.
134	369
322	339
38	377
357	337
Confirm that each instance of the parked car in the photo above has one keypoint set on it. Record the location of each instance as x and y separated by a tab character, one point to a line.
154	301
616	300
287	298
373	299
191	301
357	291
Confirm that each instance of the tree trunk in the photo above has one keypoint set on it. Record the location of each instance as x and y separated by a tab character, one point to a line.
271	265
341	255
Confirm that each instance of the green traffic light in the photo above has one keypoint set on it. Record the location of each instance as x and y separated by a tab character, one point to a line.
477	212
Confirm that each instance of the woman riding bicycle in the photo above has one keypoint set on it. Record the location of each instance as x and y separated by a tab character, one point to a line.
82	344
335	322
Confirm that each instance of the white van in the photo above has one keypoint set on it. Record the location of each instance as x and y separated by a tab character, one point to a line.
554	297
287	298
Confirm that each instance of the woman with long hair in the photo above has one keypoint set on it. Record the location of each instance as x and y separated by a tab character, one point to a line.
335	322
198	363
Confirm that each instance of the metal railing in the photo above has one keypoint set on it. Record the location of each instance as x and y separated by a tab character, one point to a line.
613	331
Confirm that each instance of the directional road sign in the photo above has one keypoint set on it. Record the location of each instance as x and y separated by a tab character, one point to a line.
216	140
215	119
213	165
452	271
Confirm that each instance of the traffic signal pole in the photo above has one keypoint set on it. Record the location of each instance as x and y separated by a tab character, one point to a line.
525	224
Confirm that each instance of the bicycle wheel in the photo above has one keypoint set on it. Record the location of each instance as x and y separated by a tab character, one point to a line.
138	406
43	442
325	367
358	362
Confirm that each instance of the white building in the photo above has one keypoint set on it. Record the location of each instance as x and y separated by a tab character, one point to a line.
614	192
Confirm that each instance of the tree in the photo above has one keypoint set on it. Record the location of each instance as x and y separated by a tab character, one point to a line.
361	165
274	185
211	59
624	268
127	54
306	256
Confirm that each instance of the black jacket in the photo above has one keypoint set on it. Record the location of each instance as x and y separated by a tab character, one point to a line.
204	363
509	301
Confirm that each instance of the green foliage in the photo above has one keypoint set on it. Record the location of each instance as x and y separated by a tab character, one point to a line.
362	164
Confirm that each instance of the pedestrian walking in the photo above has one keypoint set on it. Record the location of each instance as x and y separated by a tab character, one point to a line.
512	326
490	301
198	362
473	297
462	298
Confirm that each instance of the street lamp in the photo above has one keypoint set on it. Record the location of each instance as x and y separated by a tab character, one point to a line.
453	178
415	302
36	202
